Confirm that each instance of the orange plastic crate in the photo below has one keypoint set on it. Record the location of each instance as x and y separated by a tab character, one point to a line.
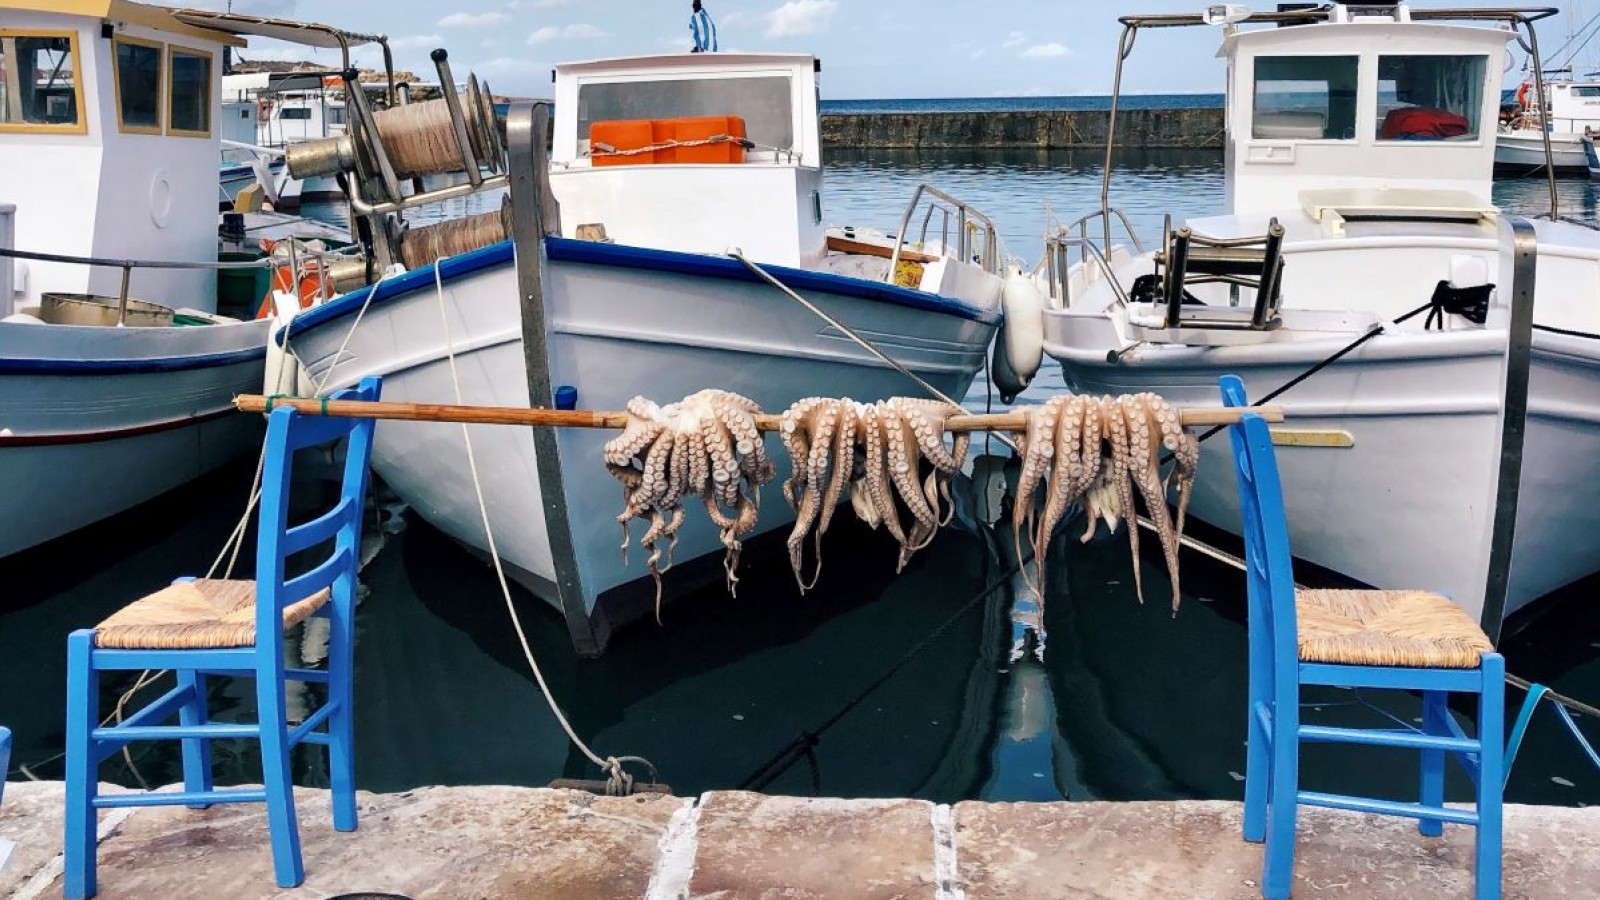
623	134
700	128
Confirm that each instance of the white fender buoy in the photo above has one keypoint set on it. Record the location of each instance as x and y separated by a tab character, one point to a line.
283	370
1019	348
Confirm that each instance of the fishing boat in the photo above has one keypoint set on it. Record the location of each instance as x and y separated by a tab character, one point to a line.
116	373
1360	252
635	261
1572	111
269	111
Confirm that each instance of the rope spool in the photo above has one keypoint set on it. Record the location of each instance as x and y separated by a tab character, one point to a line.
419	139
419	247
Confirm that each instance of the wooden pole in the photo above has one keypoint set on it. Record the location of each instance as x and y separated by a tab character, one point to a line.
583	418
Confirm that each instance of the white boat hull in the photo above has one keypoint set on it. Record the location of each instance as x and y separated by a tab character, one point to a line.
94	421
616	330
1525	150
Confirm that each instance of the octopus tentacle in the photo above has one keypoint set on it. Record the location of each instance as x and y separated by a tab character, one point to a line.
1122	482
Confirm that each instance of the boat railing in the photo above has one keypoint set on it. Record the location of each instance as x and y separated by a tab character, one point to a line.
1057	265
9	253
1081	225
975	237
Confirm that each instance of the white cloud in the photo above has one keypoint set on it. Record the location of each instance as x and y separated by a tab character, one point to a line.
1045	51
976	54
536	4
798	17
575	32
737	17
509	65
473	20
416	42
1014	38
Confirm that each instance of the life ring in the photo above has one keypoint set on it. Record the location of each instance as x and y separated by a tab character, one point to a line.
1522	94
1019	347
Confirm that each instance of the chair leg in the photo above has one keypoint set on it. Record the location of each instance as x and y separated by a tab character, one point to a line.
341	722
1257	777
278	781
1283	792
1491	775
1433	713
83	713
196	751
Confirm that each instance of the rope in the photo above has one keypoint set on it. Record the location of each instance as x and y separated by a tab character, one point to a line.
618	781
801	747
420	138
608	150
851	333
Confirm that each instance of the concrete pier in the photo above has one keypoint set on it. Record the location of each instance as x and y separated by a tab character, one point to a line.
1033	129
494	842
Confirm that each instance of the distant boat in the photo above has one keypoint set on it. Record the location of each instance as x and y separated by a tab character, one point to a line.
1574	110
640	298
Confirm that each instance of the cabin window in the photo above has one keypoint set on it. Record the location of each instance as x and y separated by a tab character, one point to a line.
1306	98
1585	91
335	115
1429	98
764	102
138	65
296	113
189	93
39	83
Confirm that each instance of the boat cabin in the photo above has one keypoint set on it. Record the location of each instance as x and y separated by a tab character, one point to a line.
109	129
288	106
1366	100
692	152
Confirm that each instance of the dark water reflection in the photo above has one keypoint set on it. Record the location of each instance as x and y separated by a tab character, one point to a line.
1128	703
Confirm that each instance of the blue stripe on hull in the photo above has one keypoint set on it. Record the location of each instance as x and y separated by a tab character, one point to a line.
51	366
592	253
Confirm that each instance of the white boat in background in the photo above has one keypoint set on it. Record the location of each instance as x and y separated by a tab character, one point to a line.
1341	220
1591	159
659	166
116	375
1573	111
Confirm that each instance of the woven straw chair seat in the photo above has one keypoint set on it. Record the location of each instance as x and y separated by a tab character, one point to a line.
205	613
1387	628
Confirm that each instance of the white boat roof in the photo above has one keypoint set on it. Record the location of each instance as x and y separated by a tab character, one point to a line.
161	18
696	61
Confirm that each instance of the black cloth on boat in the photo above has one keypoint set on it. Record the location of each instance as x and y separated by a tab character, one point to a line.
1470	303
1147	289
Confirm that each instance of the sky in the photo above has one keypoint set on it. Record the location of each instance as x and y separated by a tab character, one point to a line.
869	48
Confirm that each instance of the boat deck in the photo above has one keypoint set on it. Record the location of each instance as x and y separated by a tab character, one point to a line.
527	842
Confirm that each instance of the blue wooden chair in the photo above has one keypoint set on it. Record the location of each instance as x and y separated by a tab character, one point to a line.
1406	640
201	627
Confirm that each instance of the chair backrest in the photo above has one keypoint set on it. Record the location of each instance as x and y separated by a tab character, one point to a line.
289	432
1268	563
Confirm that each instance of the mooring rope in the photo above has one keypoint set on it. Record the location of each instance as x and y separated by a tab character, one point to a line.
618	781
802	745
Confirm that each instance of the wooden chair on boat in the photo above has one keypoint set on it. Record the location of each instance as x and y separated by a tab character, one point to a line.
204	627
1405	640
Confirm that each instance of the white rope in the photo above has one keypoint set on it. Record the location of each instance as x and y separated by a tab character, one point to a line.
618	780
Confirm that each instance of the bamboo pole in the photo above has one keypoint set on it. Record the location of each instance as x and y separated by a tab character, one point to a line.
583	418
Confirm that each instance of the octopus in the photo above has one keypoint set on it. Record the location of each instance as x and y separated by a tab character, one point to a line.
874	452
706	445
1101	452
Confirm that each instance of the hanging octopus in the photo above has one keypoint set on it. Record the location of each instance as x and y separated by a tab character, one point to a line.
706	445
875	451
1100	452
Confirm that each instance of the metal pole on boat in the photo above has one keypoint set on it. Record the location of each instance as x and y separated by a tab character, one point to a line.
527	125
1124	47
122	296
1544	125
8	238
1513	423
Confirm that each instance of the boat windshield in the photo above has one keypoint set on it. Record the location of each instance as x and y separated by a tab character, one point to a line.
763	101
38	82
1307	98
1429	98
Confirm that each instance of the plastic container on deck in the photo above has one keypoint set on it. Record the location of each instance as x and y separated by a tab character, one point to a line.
610	141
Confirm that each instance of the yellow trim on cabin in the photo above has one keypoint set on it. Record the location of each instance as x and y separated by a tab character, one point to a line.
161	84
160	18
205	105
81	126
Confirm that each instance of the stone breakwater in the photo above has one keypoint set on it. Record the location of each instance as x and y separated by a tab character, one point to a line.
1033	129
507	842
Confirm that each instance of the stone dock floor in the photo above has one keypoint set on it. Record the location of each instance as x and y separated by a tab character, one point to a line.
494	842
